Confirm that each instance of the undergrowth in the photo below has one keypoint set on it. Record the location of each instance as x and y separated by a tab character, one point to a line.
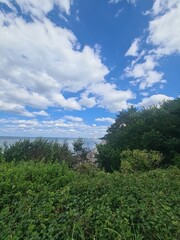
50	201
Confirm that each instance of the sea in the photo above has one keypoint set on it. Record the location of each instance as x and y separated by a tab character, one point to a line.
89	143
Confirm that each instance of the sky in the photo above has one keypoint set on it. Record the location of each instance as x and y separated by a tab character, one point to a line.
67	67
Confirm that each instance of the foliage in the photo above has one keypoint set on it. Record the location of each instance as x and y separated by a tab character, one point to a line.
39	149
80	152
1	155
87	168
108	158
49	201
176	160
155	128
139	160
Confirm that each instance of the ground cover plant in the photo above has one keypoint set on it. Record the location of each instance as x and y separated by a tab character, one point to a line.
50	201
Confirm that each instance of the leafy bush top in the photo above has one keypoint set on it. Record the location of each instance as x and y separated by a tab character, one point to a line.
154	128
39	149
139	160
49	201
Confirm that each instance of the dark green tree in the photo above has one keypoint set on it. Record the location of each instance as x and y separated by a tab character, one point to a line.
108	158
156	128
80	151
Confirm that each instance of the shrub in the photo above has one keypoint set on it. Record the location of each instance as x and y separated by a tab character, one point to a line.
108	158
176	160
20	150
87	168
39	149
139	160
50	201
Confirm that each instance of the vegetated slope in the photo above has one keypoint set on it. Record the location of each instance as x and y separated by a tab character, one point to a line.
50	201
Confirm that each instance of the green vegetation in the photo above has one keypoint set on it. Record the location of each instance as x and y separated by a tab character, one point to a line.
50	192
137	160
50	201
80	152
155	128
46	150
40	149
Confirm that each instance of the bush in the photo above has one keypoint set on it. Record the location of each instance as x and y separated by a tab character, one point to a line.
87	168
176	160
39	149
139	160
49	201
108	158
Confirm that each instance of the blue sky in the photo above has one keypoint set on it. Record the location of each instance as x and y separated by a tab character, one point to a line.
68	67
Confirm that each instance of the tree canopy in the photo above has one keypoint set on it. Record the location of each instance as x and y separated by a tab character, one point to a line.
156	128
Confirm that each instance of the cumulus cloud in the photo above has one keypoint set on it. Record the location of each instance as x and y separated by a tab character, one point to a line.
110	98
161	6
154	100
164	28
40	8
133	50
48	128
105	119
41	113
145	73
36	71
73	119
163	39
87	101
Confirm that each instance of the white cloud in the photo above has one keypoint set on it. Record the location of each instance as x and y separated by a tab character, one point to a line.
73	119
56	128
36	71
144	94
133	50
117	1
87	101
110	98
40	113
39	8
9	4
145	73
164	29
164	37
153	100
161	6
19	109
105	119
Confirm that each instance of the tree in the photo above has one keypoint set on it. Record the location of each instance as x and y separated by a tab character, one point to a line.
156	128
108	158
80	151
